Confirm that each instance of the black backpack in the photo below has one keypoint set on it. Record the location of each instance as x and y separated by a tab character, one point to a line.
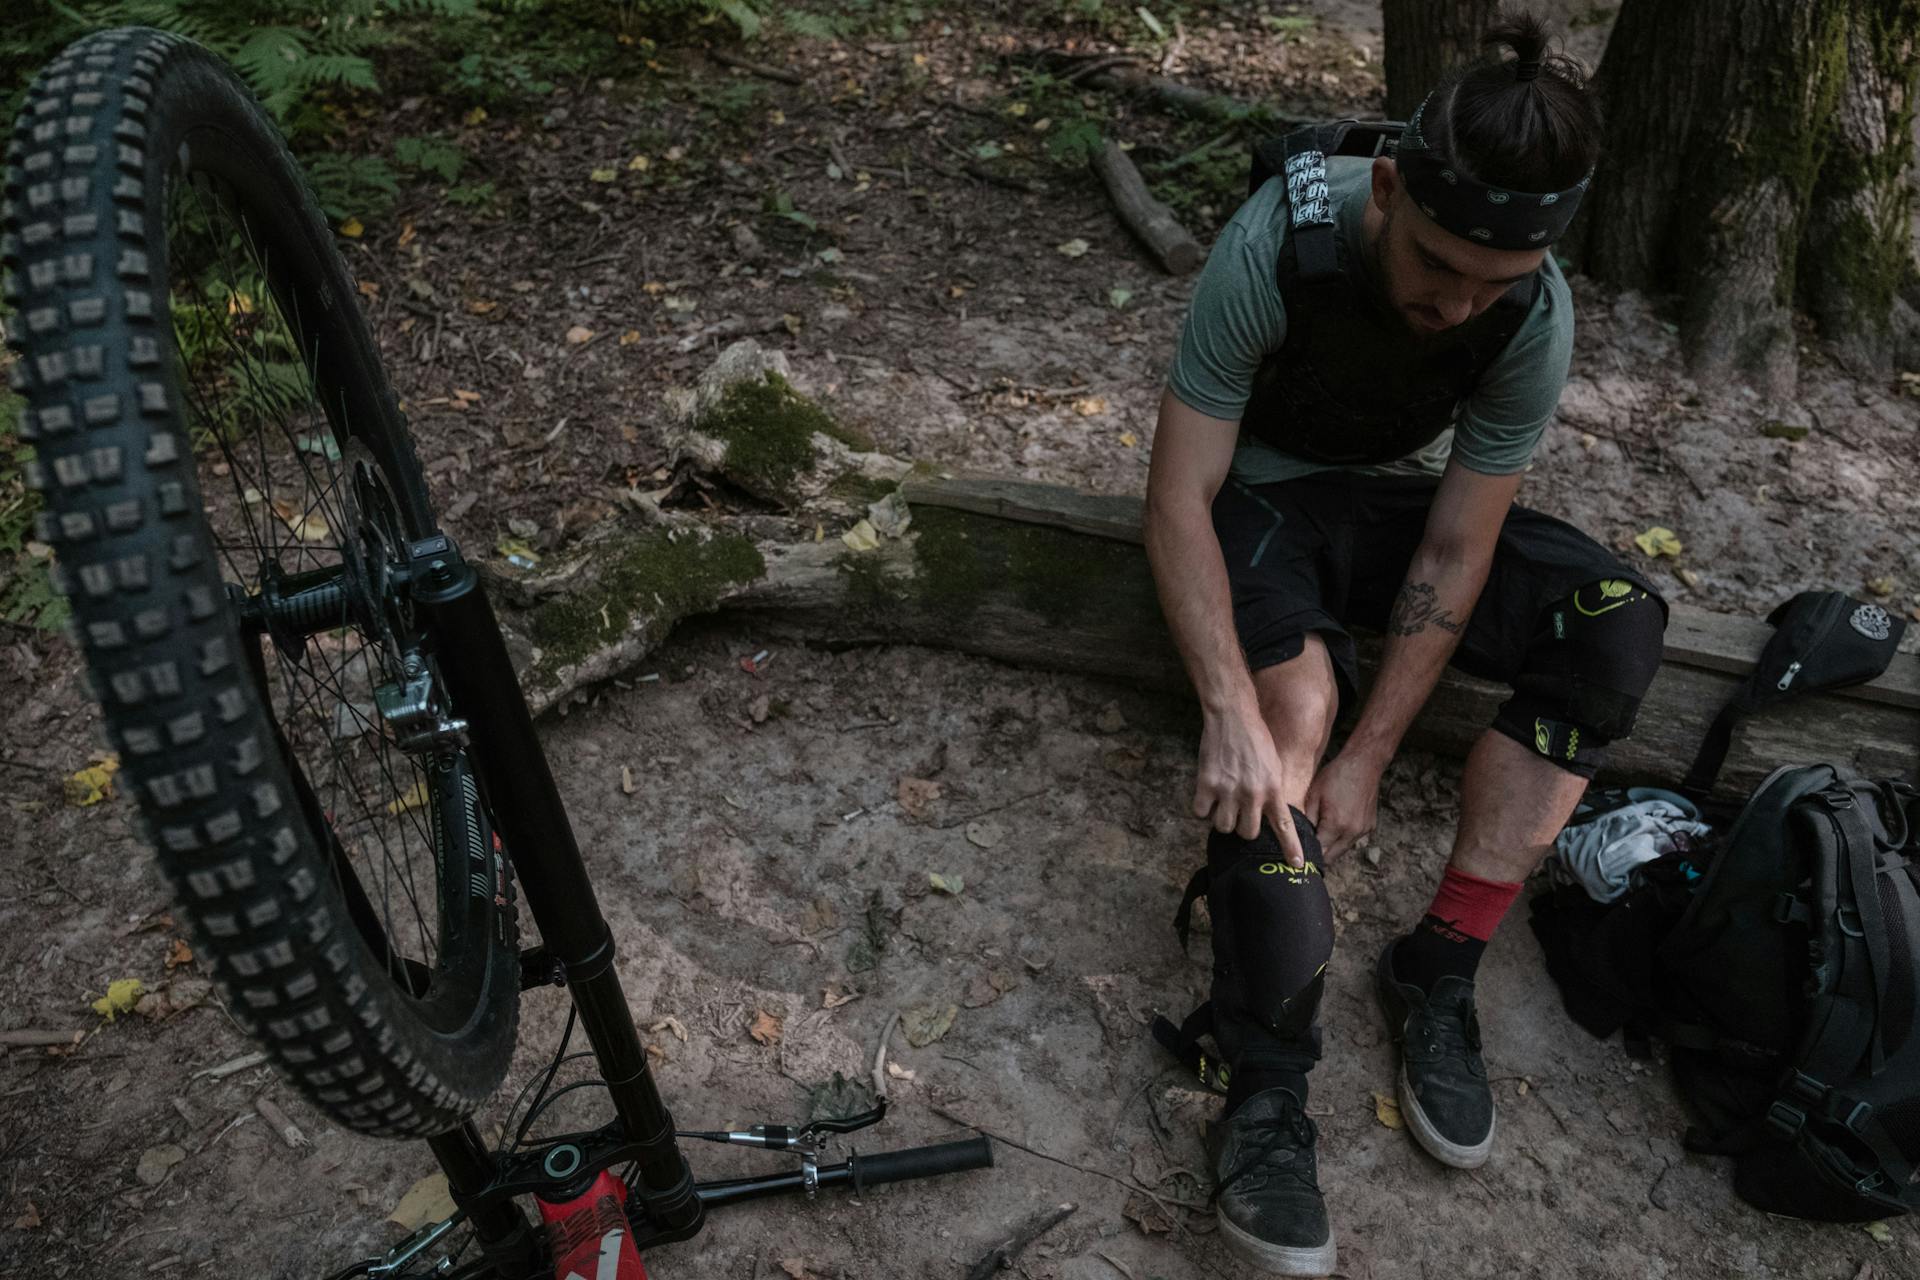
1780	963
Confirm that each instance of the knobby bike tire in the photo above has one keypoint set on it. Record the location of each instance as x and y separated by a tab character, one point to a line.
256	863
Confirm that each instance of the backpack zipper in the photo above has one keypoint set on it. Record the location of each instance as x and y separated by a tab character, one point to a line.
1787	679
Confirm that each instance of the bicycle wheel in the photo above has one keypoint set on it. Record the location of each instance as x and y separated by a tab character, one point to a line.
232	494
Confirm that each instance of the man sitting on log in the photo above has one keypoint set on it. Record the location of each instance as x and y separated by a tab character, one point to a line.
1373	351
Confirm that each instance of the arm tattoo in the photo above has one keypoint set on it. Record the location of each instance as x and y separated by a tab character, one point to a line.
1414	608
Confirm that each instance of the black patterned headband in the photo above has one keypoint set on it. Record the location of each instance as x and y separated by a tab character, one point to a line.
1493	216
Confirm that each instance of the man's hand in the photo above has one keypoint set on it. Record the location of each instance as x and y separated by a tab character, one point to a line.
1241	781
1343	801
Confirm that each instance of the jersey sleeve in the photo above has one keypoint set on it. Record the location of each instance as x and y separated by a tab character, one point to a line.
1508	411
1236	318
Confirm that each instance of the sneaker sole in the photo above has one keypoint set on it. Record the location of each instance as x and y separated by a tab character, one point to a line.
1430	1139
1278	1259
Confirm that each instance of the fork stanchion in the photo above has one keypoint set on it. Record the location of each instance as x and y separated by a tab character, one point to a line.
533	825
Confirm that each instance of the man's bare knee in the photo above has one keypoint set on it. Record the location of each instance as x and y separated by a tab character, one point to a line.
1298	702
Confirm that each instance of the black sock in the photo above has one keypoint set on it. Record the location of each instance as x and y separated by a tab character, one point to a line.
1436	950
1243	1084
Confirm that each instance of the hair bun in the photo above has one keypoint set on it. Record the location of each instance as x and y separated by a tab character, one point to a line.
1526	69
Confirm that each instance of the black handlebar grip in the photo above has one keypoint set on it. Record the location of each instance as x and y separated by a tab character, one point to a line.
921	1162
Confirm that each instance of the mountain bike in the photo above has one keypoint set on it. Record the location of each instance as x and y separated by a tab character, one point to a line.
305	682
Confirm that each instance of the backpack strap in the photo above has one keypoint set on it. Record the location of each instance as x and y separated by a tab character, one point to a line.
1183	1042
1183	916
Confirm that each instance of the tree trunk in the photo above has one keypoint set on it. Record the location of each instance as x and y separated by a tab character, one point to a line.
1719	117
1859	242
1425	41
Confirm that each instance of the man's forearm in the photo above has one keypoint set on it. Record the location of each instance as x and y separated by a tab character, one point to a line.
1423	630
1191	577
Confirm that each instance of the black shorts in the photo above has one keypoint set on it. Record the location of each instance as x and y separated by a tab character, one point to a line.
1331	550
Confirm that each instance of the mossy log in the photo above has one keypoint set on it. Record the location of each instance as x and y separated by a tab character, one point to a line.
1043	577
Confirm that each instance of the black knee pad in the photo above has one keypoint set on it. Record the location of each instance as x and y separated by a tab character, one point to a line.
1581	684
1272	937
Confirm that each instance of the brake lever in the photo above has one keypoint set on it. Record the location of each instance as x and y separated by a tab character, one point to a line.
403	1253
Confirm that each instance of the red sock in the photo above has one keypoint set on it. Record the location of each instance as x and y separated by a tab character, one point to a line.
1451	938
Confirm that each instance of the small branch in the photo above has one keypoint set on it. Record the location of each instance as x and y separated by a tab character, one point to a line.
760	69
1001	1256
880	1056
951	823
1162	1201
35	1038
1150	221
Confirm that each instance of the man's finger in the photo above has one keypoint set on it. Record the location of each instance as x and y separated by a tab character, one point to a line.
1202	799
1248	826
1224	817
1281	817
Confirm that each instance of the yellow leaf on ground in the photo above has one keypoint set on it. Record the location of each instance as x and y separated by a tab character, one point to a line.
579	334
1074	248
765	1027
178	953
1387	1110
483	307
630	337
1090	406
602	175
673	1024
122	995
1128	440
426	1201
862	537
92	784
475	116
306	526
1658	541
1880	1231
639	164
352	229
953	886
1883	585
416	796
407	234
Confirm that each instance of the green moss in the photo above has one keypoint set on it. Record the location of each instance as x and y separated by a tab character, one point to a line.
768	430
860	490
1059	575
663	578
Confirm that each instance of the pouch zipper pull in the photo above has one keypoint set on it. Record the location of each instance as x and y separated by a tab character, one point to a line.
1787	679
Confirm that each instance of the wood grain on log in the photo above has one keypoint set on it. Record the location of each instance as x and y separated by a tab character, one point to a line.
1149	220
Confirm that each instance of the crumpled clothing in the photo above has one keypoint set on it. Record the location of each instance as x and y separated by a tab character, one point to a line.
1600	853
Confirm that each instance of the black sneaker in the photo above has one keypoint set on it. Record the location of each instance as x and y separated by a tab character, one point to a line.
1443	1082
1268	1203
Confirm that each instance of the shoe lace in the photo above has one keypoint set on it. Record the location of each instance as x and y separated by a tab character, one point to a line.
1452	1028
1289	1131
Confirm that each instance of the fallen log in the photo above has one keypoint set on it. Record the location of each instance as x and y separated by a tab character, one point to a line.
1189	99
1149	219
1037	576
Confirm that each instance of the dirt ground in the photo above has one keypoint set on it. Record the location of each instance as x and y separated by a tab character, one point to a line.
760	867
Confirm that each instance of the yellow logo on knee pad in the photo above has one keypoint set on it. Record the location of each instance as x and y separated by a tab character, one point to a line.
1292	873
1542	737
1614	592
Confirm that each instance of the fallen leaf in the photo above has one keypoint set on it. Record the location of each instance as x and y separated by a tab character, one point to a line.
1118	297
352	229
306	526
1884	585
369	289
1073	248
1126	762
759	708
1146	1215
1658	541
92	784
899	1072
178	953
579	334
483	306
916	796
952	886
987	988
29	1218
1110	719
406	235
984	834
630	337
517	553
1880	1231
603	175
1091	406
923	1024
156	1161
425	1201
861	537
639	164
626	780
796	1268
475	116
890	517
1128	439
673	1024
765	1028
1387	1110
122	995
416	796
1688	576
833	997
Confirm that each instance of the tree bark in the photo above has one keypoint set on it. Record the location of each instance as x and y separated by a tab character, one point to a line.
1720	114
1426	40
1859	243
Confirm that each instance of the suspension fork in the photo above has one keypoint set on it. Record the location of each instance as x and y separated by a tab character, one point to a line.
532	822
